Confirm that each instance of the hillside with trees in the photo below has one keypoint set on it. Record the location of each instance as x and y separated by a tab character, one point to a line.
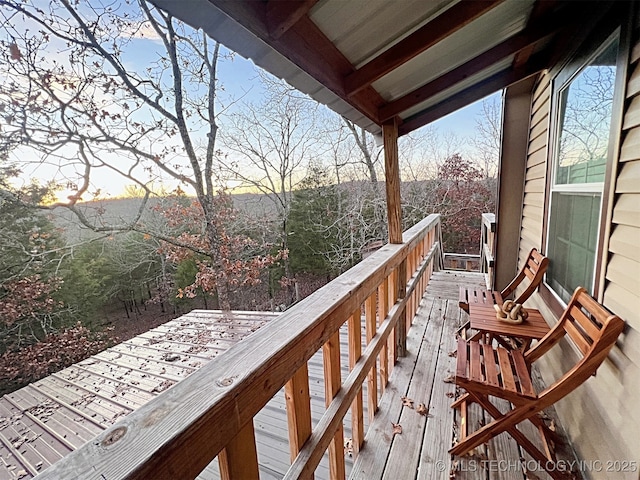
128	93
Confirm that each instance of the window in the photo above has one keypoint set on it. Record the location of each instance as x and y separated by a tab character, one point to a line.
583	134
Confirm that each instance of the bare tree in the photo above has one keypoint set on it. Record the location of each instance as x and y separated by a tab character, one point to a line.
268	142
75	108
369	153
487	136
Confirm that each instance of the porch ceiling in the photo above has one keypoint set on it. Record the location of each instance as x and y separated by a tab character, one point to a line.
375	60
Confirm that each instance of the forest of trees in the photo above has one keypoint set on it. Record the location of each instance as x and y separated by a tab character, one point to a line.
75	111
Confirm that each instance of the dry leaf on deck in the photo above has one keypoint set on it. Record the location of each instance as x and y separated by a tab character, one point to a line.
422	410
397	428
348	447
455	468
450	379
453	353
450	394
407	402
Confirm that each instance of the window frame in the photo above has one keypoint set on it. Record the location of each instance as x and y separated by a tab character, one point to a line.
599	40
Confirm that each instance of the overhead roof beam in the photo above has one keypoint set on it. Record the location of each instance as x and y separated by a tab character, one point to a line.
522	41
540	10
443	25
284	14
472	94
306	46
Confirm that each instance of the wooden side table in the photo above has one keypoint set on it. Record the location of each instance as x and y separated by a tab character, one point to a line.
482	317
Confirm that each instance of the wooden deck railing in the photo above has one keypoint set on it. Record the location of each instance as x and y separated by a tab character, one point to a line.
210	413
487	239
461	261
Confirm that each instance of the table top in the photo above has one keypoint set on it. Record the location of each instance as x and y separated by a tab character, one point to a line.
483	317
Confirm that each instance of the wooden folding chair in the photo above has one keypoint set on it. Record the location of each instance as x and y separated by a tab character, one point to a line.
484	371
533	269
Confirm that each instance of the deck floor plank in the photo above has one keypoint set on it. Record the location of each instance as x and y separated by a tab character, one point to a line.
371	461
405	449
504	452
434	458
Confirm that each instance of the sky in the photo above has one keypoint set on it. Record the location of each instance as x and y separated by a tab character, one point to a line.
239	78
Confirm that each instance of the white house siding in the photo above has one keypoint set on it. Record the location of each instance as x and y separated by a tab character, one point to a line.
533	209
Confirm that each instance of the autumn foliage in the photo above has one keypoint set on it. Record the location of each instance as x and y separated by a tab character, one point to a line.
464	194
28	298
57	350
242	260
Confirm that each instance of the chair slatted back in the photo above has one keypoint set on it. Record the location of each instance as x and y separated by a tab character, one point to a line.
534	263
589	325
584	327
533	270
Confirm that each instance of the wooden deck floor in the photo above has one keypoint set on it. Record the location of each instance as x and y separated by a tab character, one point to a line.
421	451
46	420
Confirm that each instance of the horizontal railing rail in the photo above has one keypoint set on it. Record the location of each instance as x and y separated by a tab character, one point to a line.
462	261
210	413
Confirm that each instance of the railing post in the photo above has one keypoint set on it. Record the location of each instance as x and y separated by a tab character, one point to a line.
394	215
239	458
370	329
487	249
357	407
333	382
296	392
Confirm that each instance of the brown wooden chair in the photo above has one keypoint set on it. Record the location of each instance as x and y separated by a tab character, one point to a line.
533	269
484	371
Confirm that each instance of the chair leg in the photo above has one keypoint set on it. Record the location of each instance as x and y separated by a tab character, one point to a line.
485	433
503	423
462	405
463	398
462	331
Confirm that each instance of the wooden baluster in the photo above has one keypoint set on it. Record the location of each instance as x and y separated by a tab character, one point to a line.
393	338
425	275
416	262
408	273
383	309
408	315
401	327
239	458
332	384
296	393
372	378
429	270
418	293
357	407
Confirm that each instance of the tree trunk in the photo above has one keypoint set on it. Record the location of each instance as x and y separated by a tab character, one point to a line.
126	309
211	231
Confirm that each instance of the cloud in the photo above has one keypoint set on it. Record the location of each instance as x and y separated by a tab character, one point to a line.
141	30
